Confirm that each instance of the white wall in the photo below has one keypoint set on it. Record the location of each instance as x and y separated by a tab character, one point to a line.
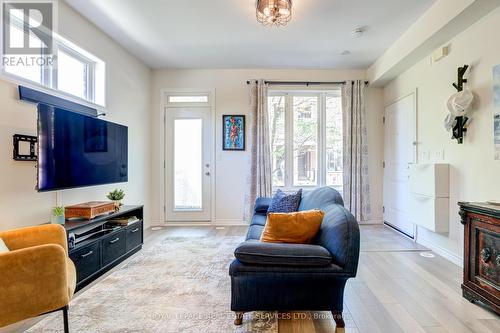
232	98
474	172
128	96
441	22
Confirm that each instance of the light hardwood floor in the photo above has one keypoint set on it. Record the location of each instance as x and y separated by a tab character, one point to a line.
396	289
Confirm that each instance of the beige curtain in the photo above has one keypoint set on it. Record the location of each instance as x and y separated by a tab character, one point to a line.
259	181
356	186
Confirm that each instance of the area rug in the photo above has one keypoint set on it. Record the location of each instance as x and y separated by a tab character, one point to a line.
177	285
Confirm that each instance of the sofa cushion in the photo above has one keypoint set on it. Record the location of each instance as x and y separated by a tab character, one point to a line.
262	205
258	253
319	198
285	203
254	232
298	227
237	268
259	220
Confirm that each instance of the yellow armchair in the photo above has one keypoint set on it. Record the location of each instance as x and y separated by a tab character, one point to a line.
37	276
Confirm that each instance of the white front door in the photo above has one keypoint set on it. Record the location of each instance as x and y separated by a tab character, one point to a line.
400	151
188	164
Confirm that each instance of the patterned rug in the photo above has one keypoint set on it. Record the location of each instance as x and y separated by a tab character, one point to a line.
178	285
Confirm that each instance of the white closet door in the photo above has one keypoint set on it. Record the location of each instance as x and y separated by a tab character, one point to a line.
400	151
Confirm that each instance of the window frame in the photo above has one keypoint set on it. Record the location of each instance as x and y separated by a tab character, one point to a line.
89	65
321	139
48	74
169	95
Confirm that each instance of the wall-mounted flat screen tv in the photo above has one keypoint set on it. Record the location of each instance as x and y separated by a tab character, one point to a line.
75	150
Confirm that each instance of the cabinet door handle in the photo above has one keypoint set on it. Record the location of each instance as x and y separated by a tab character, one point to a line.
114	240
86	254
134	231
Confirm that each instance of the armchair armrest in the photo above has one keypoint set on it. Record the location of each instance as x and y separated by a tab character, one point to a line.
37	235
34	280
262	205
261	253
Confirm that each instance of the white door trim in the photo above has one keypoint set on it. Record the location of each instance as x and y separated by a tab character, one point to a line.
164	92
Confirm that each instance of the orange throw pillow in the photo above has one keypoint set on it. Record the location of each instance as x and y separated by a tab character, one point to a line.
297	227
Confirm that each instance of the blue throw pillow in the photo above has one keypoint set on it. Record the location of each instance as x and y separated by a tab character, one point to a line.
285	203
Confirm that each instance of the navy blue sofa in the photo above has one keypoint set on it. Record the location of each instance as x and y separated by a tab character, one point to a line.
297	277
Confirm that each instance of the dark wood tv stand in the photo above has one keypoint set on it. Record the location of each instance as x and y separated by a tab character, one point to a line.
95	246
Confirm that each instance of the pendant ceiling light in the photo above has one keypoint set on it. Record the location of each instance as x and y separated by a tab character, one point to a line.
274	12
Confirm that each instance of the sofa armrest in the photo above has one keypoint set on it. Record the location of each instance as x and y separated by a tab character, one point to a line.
34	280
339	234
279	254
261	205
38	235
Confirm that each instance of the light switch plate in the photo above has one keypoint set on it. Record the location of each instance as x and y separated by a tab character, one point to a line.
438	155
425	156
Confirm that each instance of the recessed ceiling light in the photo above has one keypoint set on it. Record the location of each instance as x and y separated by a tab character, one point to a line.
358	32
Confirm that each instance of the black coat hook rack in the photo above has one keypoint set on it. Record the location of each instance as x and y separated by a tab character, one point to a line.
460	82
460	121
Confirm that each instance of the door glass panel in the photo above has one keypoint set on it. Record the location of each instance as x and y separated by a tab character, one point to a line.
188	164
334	141
305	140
276	107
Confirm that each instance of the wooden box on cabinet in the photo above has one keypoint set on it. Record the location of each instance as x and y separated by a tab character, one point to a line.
481	253
89	210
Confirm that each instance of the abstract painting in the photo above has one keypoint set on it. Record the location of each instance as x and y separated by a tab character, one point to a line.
233	127
496	111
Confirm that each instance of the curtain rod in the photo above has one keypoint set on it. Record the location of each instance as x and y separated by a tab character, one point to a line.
301	83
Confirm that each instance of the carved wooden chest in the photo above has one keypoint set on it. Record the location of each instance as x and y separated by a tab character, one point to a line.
481	253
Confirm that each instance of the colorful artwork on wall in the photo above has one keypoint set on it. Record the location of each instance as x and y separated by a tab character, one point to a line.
233	127
496	111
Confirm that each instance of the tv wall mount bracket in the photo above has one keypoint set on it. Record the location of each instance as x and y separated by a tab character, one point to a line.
31	140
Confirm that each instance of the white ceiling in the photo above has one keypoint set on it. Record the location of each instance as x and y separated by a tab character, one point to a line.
225	33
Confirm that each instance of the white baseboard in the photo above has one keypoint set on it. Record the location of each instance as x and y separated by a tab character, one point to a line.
372	221
218	222
157	223
183	224
445	253
230	222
